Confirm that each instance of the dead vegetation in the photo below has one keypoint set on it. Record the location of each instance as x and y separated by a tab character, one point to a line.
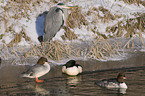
57	50
104	17
97	49
107	14
76	18
21	7
14	11
132	26
18	37
68	34
134	2
102	14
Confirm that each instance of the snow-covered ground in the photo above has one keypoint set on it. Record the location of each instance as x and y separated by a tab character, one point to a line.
14	21
116	7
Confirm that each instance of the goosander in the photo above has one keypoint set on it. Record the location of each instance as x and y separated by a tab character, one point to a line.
41	68
71	68
113	82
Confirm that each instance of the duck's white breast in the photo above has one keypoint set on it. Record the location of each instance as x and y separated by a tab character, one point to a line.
123	85
80	69
72	71
63	69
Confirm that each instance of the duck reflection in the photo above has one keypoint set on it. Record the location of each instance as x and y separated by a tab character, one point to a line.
118	90
73	80
41	90
37	89
122	90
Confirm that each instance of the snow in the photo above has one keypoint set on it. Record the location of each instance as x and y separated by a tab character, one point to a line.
119	7
33	27
23	43
8	37
31	31
3	2
83	33
58	35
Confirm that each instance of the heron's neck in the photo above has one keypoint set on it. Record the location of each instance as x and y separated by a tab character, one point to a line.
63	16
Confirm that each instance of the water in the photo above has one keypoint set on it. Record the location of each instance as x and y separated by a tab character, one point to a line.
58	84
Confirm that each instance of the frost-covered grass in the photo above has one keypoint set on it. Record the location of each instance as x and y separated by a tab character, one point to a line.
98	49
128	28
92	20
134	1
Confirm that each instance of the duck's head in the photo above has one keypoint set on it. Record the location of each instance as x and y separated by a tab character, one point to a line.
42	60
70	63
121	77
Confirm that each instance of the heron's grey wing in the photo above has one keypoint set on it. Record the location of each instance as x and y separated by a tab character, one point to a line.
52	24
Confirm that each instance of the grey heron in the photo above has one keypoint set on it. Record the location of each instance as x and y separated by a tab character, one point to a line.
54	21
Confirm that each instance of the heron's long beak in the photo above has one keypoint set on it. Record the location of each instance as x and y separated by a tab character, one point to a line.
68	7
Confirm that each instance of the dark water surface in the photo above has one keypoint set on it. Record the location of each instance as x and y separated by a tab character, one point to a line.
58	84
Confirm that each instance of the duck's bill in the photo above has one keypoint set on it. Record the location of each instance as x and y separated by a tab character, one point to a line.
124	78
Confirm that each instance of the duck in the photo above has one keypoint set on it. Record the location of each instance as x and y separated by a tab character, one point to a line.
113	82
41	68
71	68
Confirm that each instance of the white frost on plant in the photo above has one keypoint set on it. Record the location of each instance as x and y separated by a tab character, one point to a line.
114	6
83	33
8	37
119	7
58	35
23	42
3	2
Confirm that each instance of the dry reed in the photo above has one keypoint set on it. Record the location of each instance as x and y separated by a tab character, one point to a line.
134	2
97	49
130	25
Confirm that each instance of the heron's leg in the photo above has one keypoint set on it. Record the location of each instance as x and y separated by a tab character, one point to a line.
37	80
